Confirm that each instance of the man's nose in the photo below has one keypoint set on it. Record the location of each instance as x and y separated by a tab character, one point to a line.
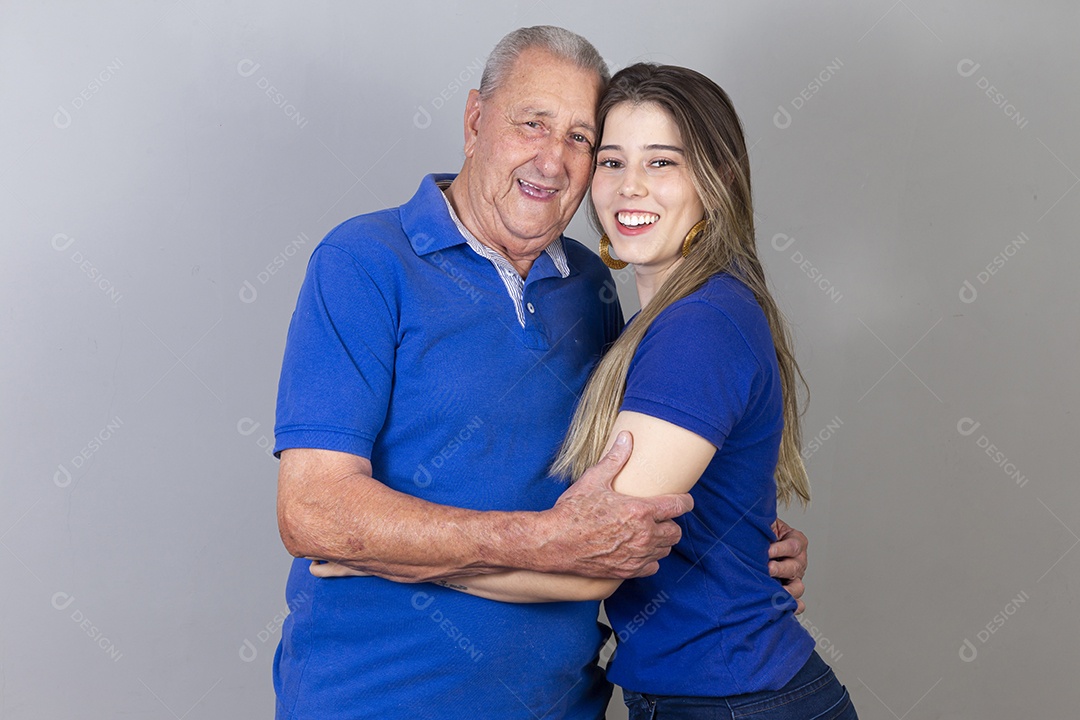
549	160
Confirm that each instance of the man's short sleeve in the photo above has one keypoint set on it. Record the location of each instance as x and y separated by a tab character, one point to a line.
339	358
695	369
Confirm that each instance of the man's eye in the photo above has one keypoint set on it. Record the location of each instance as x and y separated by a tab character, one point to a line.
532	123
579	138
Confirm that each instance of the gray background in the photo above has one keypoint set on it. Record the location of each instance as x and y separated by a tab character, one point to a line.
158	208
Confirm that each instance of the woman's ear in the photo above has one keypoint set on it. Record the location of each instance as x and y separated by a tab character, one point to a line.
728	176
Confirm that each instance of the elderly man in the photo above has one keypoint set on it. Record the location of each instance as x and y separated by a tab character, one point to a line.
432	366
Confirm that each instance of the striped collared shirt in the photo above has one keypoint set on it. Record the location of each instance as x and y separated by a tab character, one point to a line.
515	284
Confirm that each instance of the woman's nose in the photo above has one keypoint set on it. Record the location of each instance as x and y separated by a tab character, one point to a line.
633	184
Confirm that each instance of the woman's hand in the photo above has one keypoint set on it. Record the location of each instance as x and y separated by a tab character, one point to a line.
329	569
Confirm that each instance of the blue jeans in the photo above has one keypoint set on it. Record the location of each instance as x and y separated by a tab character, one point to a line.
813	694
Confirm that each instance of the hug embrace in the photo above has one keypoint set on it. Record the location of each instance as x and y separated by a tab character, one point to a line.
638	465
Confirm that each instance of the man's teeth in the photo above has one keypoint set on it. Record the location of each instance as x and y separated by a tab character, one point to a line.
536	189
635	219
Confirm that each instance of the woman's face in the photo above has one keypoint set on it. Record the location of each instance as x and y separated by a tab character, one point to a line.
642	189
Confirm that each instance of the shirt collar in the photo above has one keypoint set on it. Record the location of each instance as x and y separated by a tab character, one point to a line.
432	230
425	220
555	251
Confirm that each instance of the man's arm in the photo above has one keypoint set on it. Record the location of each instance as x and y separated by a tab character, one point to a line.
330	507
667	458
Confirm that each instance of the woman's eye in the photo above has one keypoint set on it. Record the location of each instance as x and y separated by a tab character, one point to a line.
662	163
608	163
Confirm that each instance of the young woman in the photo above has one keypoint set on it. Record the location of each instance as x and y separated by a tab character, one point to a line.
705	380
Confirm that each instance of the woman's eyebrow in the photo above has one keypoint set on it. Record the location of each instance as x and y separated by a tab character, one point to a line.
671	148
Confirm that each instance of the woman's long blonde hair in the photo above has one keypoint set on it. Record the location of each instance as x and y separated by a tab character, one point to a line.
717	158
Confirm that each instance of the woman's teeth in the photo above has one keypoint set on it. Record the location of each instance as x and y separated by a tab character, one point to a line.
636	219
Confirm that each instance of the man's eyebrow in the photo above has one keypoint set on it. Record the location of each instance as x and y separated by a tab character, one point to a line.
670	148
537	112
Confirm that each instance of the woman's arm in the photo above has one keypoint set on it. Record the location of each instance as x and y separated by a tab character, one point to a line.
666	459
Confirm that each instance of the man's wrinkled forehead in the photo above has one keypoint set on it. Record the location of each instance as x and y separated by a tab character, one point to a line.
542	83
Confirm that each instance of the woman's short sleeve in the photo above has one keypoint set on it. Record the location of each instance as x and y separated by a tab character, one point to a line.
695	368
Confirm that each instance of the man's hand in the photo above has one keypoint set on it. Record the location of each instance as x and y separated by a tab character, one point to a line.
787	560
597	532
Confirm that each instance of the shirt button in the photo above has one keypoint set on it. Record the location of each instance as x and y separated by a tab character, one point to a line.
531	308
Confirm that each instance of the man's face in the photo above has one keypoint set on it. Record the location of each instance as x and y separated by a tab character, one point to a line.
528	150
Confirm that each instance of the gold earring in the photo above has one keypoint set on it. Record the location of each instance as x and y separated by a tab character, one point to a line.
605	254
692	236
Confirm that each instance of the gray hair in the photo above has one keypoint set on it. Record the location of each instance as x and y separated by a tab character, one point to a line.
560	42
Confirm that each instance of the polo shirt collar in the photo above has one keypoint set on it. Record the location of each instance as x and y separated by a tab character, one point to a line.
425	220
428	221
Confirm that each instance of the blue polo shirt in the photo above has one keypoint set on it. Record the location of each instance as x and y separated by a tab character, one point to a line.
406	348
712	622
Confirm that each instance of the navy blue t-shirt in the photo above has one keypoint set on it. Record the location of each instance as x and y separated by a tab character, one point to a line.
406	348
711	622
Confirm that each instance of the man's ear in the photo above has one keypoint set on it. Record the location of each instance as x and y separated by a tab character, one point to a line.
472	121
